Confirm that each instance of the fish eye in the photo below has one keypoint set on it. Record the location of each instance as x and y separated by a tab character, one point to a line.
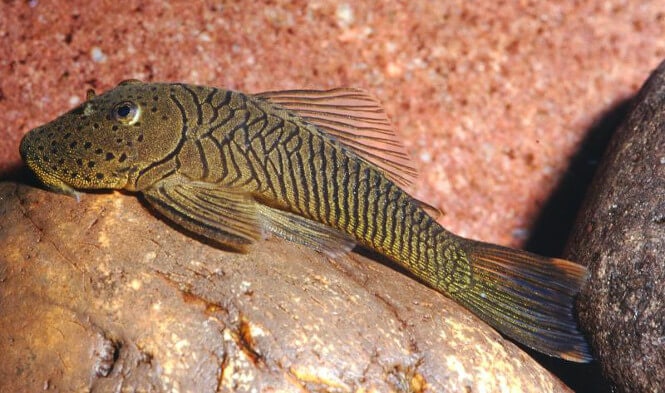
126	113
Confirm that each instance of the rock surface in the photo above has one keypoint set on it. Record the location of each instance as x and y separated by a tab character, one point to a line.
620	235
101	296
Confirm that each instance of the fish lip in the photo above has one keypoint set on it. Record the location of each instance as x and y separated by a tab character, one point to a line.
51	182
32	161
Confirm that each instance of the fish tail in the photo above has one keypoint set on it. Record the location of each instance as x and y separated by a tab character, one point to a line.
527	297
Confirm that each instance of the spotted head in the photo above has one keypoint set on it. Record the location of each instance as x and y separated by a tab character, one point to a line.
107	141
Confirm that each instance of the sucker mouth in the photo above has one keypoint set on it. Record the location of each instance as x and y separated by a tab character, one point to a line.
34	163
52	182
65	180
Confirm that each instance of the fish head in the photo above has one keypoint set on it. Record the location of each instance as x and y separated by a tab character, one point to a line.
107	141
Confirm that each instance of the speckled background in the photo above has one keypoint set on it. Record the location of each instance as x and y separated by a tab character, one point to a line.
491	99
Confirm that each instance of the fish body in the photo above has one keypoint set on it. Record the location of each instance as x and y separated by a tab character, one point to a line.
323	168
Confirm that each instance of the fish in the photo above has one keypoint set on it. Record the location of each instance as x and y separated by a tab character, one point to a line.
323	168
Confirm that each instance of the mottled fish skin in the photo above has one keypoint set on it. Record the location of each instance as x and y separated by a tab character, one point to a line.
232	167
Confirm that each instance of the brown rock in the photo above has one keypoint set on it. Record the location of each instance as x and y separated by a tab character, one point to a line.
101	295
620	235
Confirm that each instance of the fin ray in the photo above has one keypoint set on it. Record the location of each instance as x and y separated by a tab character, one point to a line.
356	120
433	211
527	297
301	230
223	215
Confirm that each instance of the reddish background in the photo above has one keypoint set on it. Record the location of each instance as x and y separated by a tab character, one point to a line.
492	100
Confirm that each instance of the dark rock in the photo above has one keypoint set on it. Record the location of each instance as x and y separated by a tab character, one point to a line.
620	236
103	296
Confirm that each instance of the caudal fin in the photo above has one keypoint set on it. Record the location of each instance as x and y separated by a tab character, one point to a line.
528	298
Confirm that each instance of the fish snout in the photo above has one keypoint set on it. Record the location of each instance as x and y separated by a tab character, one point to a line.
33	153
28	149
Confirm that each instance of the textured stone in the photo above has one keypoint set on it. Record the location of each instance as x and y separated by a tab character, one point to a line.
102	295
620	235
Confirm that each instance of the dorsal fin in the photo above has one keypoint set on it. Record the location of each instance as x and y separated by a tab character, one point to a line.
355	119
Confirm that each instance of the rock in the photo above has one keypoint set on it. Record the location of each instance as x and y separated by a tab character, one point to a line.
620	236
101	296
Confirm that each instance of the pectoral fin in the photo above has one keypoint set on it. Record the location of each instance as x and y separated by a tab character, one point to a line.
222	215
301	230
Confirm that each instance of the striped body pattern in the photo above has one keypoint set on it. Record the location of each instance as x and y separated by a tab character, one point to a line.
323	168
239	142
